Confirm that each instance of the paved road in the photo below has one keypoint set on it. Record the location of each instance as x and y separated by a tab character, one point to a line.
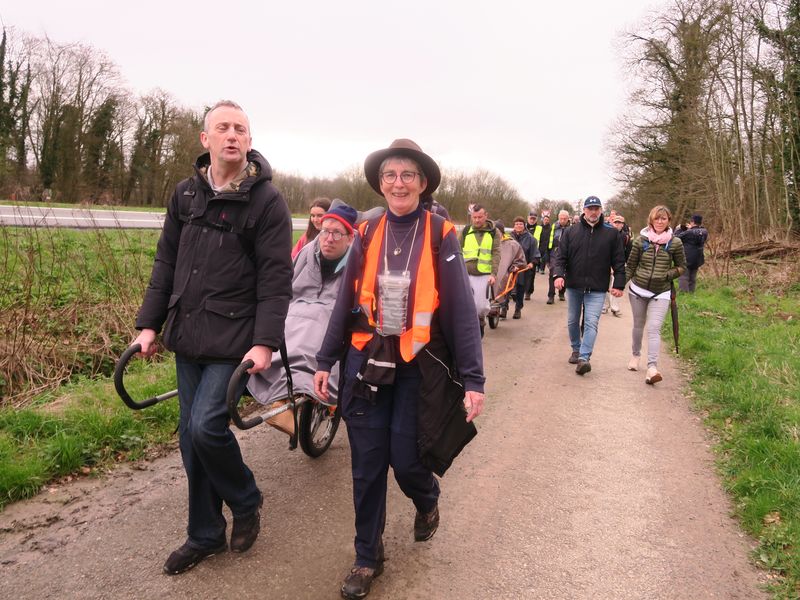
82	218
595	487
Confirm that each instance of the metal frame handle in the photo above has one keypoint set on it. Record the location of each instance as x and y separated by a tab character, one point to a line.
119	373
232	397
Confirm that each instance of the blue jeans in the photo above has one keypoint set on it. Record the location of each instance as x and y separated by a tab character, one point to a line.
211	457
591	303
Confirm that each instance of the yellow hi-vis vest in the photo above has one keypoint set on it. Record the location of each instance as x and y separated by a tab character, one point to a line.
537	233
426	296
482	252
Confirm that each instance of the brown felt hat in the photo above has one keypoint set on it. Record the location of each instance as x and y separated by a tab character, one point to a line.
407	149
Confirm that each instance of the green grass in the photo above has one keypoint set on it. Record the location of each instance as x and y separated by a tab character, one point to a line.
745	353
85	425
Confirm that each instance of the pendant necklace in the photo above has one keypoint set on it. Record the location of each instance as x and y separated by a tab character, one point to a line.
398	247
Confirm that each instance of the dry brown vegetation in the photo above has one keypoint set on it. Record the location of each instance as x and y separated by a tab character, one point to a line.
67	305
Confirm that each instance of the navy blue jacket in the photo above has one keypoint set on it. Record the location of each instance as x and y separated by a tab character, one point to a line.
694	240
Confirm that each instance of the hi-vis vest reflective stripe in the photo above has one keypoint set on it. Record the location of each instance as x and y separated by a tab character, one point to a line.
537	233
483	252
426	296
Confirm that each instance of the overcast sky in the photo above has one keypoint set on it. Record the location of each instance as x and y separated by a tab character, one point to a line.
526	91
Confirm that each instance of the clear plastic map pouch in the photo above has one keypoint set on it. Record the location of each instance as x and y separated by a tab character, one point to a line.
393	287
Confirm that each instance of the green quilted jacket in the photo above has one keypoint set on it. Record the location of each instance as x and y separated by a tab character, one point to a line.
654	268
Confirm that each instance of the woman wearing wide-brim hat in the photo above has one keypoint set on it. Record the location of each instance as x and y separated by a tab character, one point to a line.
413	374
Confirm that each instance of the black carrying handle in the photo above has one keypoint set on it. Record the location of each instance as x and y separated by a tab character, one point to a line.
232	397
119	373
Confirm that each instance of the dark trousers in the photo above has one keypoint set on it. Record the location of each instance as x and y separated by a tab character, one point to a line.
521	287
544	260
211	456
383	434
551	288
529	284
688	281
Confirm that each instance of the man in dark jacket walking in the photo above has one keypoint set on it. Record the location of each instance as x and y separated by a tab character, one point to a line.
220	287
586	254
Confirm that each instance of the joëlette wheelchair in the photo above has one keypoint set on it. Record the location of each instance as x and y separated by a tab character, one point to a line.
315	424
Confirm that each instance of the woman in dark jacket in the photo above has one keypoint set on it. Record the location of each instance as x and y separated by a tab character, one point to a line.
406	306
656	259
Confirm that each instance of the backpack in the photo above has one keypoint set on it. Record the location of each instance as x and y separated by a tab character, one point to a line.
192	211
646	244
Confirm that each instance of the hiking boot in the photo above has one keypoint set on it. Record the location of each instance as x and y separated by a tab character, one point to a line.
517	314
186	557
550	300
358	581
653	376
426	524
583	367
503	312
245	529
573	358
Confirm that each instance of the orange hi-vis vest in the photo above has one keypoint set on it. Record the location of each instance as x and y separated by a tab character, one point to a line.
426	296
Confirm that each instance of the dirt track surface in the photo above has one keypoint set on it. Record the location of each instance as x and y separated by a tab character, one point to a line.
576	487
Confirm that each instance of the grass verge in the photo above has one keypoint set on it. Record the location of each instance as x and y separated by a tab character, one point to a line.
745	350
81	206
84	429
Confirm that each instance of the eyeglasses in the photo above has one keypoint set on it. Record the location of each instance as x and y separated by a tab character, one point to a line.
336	235
406	176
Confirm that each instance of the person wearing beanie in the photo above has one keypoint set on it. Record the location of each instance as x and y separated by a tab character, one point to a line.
694	237
318	270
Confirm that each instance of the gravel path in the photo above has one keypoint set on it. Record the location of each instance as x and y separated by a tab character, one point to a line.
576	487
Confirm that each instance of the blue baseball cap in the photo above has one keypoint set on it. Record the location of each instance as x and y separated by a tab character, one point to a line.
592	201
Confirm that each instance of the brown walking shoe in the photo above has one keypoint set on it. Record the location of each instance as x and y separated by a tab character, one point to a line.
426	524
186	557
358	581
245	529
583	367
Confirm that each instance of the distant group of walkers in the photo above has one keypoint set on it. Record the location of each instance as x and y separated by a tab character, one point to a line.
396	296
